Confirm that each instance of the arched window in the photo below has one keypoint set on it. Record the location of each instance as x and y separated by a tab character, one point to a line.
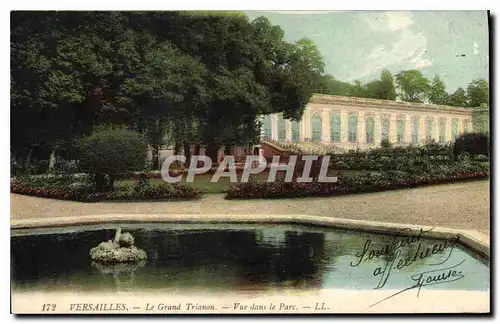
467	126
429	127
386	128
415	121
281	129
454	128
295	131
352	128
442	130
369	129
400	130
266	124
335	128
316	127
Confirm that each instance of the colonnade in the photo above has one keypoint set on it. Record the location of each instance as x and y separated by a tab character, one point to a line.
367	127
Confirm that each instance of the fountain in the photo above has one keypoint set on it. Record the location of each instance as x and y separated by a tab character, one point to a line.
120	250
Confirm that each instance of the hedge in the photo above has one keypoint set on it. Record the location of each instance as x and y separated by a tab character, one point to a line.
362	182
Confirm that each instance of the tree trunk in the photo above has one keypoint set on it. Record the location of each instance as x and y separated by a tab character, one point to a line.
100	182
197	151
52	160
155	157
177	148
227	149
177	151
111	183
187	154
212	152
27	162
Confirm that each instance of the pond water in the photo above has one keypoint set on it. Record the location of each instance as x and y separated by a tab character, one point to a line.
227	257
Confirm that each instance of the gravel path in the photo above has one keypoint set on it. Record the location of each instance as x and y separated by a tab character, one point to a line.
463	205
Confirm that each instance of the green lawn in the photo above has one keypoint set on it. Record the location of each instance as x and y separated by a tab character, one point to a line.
202	181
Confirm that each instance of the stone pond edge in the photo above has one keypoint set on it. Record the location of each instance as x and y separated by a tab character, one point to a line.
471	239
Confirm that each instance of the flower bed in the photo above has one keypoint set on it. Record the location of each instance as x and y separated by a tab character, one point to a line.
83	192
358	183
162	192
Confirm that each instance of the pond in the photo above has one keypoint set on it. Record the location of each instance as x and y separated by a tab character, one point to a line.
183	258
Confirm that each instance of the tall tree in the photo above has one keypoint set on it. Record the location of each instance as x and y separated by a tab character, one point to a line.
413	86
437	92
458	98
387	86
332	86
308	53
383	88
197	76
478	93
173	92
290	72
358	90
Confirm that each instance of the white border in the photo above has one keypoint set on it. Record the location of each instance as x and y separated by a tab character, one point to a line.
190	5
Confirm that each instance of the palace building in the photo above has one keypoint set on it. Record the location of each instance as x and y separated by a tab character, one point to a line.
351	122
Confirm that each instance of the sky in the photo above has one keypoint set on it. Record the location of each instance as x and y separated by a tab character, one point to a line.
359	44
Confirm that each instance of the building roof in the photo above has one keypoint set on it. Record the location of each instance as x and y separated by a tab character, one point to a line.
386	104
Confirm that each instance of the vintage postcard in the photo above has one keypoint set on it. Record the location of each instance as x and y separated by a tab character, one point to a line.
250	162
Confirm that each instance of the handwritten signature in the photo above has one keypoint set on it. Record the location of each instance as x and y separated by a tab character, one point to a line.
429	278
392	253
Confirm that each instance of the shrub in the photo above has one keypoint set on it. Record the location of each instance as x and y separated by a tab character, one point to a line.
42	167
386	144
482	158
109	153
15	167
142	182
432	145
472	143
398	158
64	166
51	182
